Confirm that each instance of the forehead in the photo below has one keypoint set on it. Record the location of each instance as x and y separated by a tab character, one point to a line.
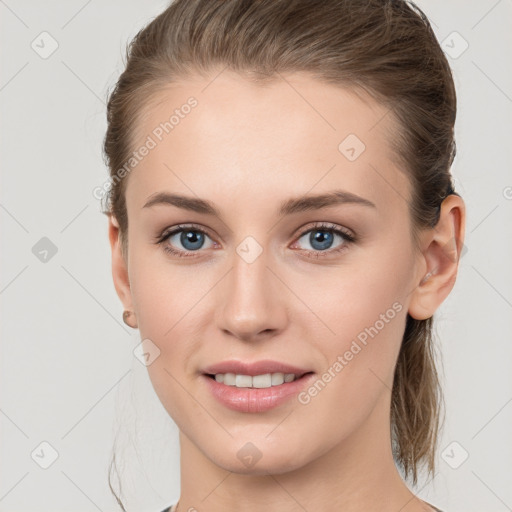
224	133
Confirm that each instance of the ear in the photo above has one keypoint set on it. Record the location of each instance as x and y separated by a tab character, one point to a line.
443	246
119	265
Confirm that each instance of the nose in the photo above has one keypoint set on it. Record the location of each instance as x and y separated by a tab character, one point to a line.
251	301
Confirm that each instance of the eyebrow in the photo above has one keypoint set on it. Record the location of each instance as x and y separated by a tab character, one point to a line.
288	207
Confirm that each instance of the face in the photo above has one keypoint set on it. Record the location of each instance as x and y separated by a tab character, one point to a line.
265	273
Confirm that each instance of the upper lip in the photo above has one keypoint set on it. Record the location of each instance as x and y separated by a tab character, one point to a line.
254	368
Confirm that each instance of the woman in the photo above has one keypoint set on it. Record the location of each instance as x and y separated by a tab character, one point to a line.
283	227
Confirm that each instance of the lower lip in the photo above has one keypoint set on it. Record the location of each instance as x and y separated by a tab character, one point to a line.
256	399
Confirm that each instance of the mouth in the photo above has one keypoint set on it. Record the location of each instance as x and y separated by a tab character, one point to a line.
256	393
255	386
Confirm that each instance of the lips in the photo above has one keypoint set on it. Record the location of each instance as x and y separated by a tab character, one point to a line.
255	400
254	368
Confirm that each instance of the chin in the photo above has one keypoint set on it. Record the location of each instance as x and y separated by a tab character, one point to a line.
251	460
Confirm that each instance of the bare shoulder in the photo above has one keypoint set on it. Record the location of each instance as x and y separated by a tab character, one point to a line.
431	508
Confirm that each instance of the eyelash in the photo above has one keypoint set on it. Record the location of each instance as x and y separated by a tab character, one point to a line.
320	226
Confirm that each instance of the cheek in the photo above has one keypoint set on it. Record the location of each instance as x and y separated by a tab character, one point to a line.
161	292
169	309
166	311
356	317
359	362
368	290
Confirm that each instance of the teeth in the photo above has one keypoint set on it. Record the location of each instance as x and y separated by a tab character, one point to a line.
258	381
243	381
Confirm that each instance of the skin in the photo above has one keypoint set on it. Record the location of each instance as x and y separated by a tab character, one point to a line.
247	148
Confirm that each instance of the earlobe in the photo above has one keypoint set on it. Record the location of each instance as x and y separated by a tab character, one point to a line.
119	265
444	245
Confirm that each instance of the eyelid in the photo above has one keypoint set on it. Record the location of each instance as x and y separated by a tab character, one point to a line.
167	232
326	226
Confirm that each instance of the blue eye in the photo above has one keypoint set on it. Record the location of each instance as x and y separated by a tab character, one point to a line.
320	237
190	237
191	240
320	240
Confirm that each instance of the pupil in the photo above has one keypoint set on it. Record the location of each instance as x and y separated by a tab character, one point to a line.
193	237
323	238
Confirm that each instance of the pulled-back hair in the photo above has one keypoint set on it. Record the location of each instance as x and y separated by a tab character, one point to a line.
385	48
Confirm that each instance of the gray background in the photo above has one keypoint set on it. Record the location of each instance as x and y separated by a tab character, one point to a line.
68	376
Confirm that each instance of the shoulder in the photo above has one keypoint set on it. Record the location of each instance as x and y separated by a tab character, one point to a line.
172	508
431	508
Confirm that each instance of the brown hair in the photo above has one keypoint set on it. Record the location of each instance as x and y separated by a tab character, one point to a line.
386	48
